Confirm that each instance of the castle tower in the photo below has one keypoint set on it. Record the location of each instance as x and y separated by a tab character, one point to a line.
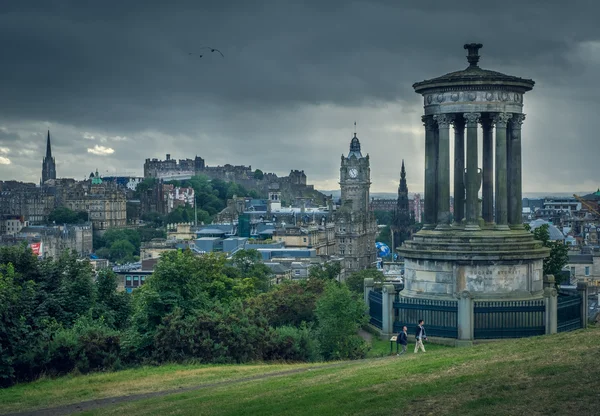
356	227
48	164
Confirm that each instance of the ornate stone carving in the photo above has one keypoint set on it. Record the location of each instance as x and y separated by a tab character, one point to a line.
429	99
504	96
428	122
518	98
465	294
440	98
517	121
489	96
472	118
443	120
454	96
500	119
471	96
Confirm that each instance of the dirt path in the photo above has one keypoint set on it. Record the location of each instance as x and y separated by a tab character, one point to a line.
68	409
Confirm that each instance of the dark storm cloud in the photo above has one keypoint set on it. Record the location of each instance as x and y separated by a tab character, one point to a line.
293	80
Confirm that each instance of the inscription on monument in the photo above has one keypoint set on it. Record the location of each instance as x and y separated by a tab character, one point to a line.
496	278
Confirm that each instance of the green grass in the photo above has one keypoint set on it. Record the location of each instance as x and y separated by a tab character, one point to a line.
47	392
555	374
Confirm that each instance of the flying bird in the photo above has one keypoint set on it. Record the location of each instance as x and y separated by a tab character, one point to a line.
213	50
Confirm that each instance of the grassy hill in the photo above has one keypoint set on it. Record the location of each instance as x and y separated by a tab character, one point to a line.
558	374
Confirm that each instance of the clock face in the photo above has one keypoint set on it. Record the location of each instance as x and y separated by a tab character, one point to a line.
353	173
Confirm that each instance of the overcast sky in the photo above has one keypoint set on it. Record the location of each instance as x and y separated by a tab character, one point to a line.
115	84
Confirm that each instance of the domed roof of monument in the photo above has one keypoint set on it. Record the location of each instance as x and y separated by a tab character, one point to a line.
473	75
355	148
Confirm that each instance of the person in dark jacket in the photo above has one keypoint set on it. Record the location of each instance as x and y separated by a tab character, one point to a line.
420	336
402	339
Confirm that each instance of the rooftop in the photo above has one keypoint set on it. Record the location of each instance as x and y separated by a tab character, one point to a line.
473	75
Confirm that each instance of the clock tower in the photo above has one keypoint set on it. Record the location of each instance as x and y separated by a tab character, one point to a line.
356	227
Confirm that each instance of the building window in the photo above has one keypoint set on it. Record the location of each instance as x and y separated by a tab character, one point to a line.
297	272
572	271
304	239
587	270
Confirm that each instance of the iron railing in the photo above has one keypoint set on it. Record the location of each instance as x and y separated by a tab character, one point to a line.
509	319
376	309
440	316
569	311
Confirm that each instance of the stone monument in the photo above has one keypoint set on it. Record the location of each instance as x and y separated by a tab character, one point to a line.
484	251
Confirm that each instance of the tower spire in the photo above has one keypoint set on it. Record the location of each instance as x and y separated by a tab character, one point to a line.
48	164
48	147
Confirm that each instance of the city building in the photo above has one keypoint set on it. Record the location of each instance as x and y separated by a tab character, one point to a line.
355	225
105	203
33	204
585	268
49	241
12	224
172	169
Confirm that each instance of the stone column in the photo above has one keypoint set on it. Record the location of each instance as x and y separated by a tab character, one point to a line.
368	283
459	169
387	309
430	214
443	171
488	171
551	312
472	206
501	120
515	208
465	319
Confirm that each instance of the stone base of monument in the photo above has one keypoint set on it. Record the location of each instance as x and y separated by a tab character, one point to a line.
474	285
489	264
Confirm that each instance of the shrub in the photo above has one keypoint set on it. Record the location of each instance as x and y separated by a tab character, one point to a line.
289	343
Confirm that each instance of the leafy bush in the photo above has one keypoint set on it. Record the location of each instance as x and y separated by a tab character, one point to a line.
289	343
89	345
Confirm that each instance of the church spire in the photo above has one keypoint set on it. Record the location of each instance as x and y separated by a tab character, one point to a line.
48	164
48	147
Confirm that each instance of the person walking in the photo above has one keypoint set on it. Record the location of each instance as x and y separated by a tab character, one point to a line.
420	336
402	339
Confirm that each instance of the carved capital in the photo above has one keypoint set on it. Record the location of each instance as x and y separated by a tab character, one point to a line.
517	121
443	120
501	119
465	294
472	118
428	122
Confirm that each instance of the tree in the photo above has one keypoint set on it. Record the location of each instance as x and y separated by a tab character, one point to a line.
385	236
339	317
559	252
327	271
63	215
355	281
383	217
258	174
